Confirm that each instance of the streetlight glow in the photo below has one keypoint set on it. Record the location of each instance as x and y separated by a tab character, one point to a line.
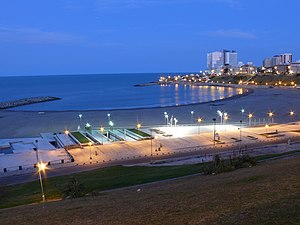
42	166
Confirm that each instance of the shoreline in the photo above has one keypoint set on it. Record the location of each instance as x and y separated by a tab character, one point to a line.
20	124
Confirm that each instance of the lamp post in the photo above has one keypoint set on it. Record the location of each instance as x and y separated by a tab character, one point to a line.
267	128
102	131
242	111
192	117
292	113
214	133
90	144
199	120
225	118
271	114
111	124
166	117
80	121
41	167
175	122
250	116
151	155
241	134
221	116
67	139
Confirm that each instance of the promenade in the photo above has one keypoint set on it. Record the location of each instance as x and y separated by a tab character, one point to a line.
190	147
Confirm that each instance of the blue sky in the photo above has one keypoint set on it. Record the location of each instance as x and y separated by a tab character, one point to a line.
123	36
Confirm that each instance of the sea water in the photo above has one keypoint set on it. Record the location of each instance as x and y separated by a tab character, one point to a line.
105	91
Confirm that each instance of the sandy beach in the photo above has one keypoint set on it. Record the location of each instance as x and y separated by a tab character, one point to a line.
263	100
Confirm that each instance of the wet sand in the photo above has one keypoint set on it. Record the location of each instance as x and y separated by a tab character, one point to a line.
278	100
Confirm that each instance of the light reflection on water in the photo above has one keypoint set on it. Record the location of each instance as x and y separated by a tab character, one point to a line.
191	94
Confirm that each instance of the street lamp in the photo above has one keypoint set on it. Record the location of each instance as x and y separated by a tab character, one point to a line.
138	126
221	115
166	116
102	131
175	122
151	155
41	167
250	116
292	113
241	134
80	121
267	128
111	124
67	139
90	144
199	120
242	111
192	117
225	117
271	114
214	133
167	119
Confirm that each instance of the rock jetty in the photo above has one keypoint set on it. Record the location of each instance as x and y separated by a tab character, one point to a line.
26	101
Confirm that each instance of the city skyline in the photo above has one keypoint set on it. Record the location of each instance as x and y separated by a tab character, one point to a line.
126	36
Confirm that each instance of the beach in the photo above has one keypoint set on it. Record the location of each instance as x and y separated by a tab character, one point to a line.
280	101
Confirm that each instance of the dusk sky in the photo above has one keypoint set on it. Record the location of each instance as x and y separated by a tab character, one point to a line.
130	36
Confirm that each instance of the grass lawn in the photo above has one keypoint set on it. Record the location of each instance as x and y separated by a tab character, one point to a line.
81	138
139	132
96	180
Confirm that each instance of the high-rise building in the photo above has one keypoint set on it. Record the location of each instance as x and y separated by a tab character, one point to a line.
217	60
286	58
267	62
276	60
230	58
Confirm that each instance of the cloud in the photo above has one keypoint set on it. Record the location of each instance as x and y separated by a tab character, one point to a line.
36	36
234	33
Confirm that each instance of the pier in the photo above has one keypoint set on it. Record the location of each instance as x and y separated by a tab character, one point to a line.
26	101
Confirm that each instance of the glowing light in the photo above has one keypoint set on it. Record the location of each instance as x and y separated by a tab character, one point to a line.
42	166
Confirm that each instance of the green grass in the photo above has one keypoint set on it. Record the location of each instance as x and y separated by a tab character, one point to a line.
139	132
99	180
82	139
94	181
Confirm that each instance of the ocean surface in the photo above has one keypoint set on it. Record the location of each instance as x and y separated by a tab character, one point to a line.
105	91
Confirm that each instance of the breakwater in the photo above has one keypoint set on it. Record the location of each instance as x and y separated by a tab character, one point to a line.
26	101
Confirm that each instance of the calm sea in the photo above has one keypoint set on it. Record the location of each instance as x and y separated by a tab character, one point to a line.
105	91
